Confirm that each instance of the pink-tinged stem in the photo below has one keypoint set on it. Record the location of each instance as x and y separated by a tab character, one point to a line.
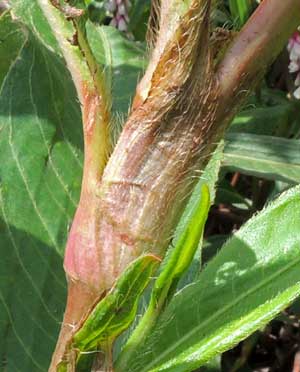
256	46
167	140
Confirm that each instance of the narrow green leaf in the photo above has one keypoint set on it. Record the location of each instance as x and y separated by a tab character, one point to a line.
117	310
176	262
179	258
240	10
269	157
210	178
254	277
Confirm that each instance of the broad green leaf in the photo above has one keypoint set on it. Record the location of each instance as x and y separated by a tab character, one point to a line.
40	176
11	41
263	156
117	310
211	247
123	57
253	278
29	12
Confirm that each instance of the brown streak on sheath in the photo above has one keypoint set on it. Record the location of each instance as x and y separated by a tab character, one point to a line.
126	239
91	110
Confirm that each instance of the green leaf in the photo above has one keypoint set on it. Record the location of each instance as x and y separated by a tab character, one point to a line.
209	177
176	262
138	18
122	59
180	257
253	278
269	157
117	310
262	120
211	247
11	41
240	10
213	365
227	194
40	177
30	13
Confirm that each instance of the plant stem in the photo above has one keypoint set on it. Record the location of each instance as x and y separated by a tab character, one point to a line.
92	90
80	300
170	136
167	139
64	32
255	48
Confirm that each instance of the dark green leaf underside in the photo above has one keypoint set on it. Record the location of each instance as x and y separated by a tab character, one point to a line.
40	176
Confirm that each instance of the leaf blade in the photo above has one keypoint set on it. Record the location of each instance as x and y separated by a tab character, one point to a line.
263	156
40	173
116	311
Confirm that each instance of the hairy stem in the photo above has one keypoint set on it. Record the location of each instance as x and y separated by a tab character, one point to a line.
93	94
178	119
172	132
95	100
80	299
